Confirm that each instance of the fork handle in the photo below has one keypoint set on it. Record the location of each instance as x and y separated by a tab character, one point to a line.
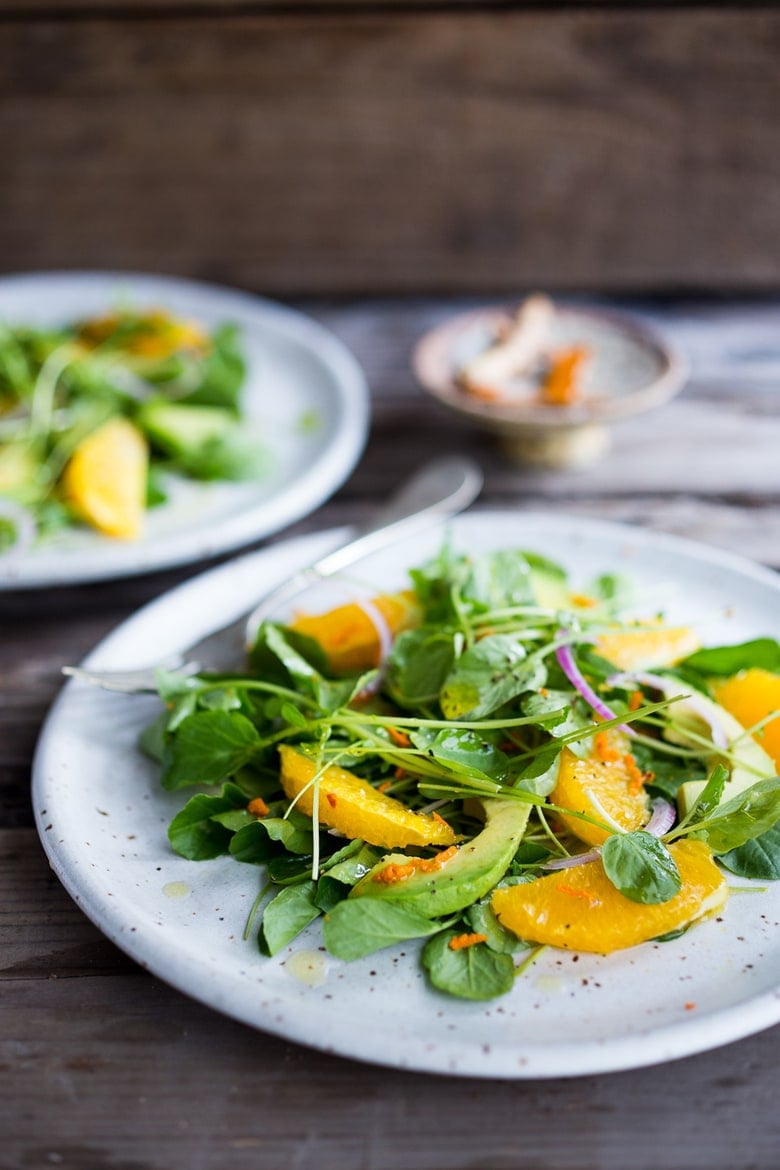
439	490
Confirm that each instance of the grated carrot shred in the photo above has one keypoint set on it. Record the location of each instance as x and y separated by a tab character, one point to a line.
604	749
583	895
440	820
399	738
635	701
636	778
399	873
462	941
561	386
258	807
385	786
331	799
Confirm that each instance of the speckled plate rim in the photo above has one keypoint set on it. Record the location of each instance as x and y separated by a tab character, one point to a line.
342	388
289	1015
434	370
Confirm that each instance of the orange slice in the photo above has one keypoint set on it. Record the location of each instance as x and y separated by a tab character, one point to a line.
607	786
348	635
105	480
580	909
354	807
750	696
647	647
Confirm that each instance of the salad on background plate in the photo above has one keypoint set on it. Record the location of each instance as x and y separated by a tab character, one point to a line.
148	421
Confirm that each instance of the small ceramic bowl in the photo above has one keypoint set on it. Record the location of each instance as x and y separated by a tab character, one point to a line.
630	370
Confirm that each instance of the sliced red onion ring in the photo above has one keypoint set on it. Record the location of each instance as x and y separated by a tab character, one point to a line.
670	688
385	636
571	862
662	817
565	657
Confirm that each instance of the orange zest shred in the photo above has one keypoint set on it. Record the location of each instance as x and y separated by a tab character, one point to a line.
689	1007
604	750
399	873
258	807
583	895
385	786
331	799
561	386
462	941
636	778
399	738
636	699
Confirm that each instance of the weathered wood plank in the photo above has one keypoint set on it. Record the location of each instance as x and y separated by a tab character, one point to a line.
483	150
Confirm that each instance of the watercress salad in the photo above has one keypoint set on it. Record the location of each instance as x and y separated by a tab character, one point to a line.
96	414
483	750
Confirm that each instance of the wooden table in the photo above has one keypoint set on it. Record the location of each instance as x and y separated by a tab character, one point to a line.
102	1067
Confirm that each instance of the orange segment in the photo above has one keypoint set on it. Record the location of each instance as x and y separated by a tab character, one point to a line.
647	647
105	479
348	635
750	696
355	808
606	786
581	910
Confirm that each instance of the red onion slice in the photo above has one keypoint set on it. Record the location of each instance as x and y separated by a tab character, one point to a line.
662	817
565	657
670	688
385	636
571	862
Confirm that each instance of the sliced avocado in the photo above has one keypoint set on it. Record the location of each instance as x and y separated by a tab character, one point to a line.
19	473
467	877
180	430
751	761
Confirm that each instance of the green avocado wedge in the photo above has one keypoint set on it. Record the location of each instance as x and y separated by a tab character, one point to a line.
464	879
750	763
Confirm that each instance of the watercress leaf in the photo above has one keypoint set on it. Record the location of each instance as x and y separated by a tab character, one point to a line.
475	972
360	926
207	747
541	775
641	867
287	915
298	668
293	831
223	371
561	714
349	870
758	858
219	700
152	740
747	815
195	834
482	920
180	710
466	750
666	771
498	580
488	675
252	844
172	685
329	893
711	793
611	587
235	818
290	870
418	665
763	653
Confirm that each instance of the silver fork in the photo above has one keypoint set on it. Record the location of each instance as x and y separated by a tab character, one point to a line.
441	489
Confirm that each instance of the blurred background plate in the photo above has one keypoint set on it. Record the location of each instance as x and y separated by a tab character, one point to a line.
304	391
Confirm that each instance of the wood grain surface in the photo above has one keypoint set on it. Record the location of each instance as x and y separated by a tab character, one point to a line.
103	1067
395	148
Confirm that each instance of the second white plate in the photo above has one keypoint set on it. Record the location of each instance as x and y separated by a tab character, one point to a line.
305	393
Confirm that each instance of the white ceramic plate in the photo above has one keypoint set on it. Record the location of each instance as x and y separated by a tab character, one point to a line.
102	818
305	394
